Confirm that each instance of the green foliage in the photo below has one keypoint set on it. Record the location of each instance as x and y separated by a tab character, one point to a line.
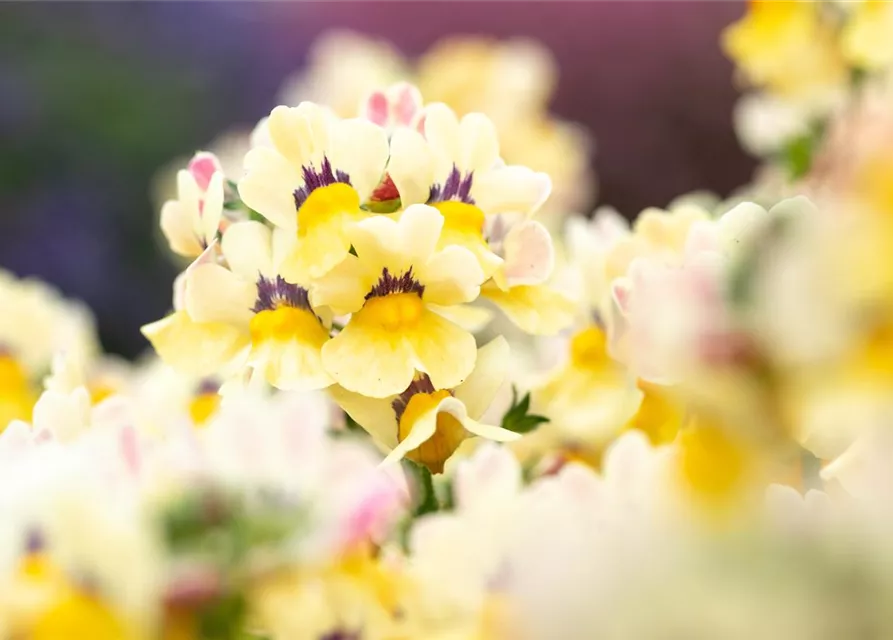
518	419
383	206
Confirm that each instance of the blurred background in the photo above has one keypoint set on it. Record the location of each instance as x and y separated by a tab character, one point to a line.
96	98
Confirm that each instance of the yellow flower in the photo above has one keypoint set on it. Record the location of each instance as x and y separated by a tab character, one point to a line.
312	182
427	424
787	48
590	398
865	40
247	314
394	288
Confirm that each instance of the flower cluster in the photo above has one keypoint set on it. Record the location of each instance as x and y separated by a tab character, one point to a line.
389	404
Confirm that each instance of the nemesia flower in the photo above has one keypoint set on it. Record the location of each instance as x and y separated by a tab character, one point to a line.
427	424
312	182
267	321
864	40
394	288
399	105
191	222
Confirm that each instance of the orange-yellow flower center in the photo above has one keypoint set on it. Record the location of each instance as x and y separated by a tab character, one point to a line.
325	203
394	312
17	396
450	433
713	464
286	323
589	349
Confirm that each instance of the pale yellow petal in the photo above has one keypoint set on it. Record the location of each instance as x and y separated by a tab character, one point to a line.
411	166
535	309
423	429
212	209
194	348
247	249
442	131
375	415
480	144
216	294
176	224
299	133
323	247
490	432
452	276
468	317
292	365
367	359
488	376
360	149
344	288
268	187
443	350
511	189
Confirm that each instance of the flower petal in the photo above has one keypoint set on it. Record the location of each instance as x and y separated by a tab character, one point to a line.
176	224
511	189
490	369
247	249
529	254
293	365
411	166
367	359
344	288
443	350
216	294
535	309
452	276
423	429
300	134
212	208
480	144
360	148
268	187
194	348
468	317
375	415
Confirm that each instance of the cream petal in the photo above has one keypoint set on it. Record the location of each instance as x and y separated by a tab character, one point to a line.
451	276
480	144
375	415
194	348
529	254
511	189
207	256
343	289
268	187
488	376
442	130
247	249
420	227
443	350
189	195
468	317
489	432
176	224
299	133
323	248
212	210
367	359
411	166
535	309
292	365
216	294
422	431
377	242
360	148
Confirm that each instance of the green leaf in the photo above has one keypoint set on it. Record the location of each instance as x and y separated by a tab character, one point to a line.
426	497
383	206
517	419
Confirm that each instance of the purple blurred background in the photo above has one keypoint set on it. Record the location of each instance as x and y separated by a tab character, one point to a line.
94	98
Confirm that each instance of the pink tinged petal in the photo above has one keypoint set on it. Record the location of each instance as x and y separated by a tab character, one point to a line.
376	108
406	103
529	254
130	450
703	236
621	293
202	167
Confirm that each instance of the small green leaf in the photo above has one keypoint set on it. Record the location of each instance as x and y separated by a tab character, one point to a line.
517	419
383	206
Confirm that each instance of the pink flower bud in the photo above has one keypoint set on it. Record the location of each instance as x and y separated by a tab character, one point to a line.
202	167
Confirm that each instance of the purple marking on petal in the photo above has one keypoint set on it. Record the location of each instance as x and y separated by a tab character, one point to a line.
272	294
456	187
314	179
34	542
388	284
341	634
208	385
422	384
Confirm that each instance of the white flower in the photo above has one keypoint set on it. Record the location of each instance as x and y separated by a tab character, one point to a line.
191	222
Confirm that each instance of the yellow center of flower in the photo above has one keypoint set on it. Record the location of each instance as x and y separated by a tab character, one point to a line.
325	203
450	433
659	416
78	615
100	392
589	349
461	217
284	324
394	312
876	186
17	397
202	407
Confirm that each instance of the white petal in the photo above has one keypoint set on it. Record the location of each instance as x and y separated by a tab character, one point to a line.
442	130
247	249
360	148
510	189
300	133
529	254
480	144
491	366
207	256
216	294
268	187
411	166
176	224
